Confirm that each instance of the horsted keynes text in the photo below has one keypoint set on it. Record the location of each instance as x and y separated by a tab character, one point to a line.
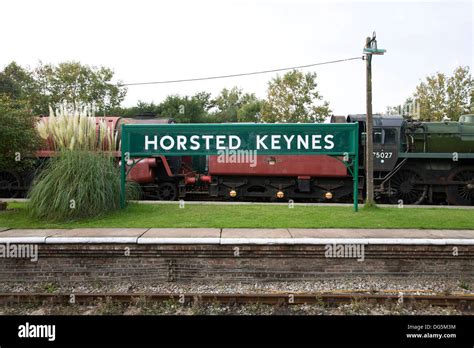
209	139
234	142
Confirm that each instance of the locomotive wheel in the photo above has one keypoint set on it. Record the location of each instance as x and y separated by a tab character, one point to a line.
461	193
403	187
167	192
10	184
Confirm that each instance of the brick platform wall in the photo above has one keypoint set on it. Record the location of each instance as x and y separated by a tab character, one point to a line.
89	262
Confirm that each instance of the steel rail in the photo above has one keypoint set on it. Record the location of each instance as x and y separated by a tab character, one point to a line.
465	301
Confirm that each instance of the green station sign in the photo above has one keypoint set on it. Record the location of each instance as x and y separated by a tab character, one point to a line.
266	139
152	140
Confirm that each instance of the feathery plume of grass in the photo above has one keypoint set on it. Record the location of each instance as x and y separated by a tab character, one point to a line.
74	127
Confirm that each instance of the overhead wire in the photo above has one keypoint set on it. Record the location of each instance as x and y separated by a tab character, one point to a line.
240	74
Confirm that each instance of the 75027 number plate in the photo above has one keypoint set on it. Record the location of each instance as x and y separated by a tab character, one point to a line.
382	154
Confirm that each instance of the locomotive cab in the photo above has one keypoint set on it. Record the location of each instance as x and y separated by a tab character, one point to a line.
386	140
387	137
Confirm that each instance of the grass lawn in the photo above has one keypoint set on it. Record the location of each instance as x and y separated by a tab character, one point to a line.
261	215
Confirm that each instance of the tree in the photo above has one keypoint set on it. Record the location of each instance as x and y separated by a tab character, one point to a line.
19	84
15	81
251	111
459	93
140	108
70	82
227	104
19	139
233	105
293	98
73	82
186	109
472	100
183	109
441	96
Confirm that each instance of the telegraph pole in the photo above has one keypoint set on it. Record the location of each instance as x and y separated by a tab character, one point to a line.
370	49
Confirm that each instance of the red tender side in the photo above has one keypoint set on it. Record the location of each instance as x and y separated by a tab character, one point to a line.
282	165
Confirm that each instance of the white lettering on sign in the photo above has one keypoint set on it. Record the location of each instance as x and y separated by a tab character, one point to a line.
328	140
220	142
181	141
233	146
260	143
207	138
302	142
234	142
194	140
170	142
148	142
288	141
276	142
316	141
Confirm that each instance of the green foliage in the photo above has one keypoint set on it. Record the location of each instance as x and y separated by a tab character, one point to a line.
472	100
293	98
75	185
140	109
250	112
236	106
17	83
133	191
50	288
186	109
228	103
459	93
73	82
370	206
70	82
229	106
19	139
445	96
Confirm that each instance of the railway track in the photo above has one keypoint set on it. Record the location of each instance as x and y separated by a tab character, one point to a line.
464	302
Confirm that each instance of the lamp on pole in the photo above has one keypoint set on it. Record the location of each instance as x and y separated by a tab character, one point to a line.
369	50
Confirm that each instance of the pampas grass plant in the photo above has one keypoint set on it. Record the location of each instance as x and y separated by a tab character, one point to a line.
82	181
75	185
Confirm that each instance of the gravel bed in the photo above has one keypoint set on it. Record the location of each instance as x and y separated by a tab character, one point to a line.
412	285
384	285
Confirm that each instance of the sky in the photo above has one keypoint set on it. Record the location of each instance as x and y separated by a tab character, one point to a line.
146	40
